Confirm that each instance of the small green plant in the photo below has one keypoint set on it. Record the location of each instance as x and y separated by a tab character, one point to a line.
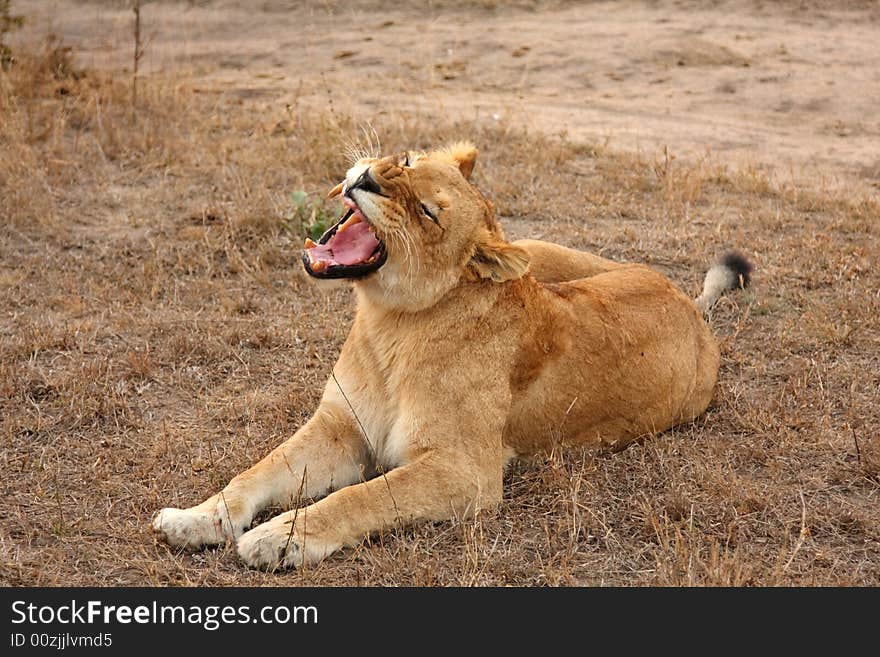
309	215
8	22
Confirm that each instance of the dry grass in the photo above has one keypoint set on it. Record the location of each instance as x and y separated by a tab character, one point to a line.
158	336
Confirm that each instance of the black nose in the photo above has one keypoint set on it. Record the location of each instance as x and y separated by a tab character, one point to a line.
366	183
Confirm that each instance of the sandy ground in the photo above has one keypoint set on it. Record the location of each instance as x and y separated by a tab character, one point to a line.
752	84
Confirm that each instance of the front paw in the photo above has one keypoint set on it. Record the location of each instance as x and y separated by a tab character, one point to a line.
215	521
271	546
188	528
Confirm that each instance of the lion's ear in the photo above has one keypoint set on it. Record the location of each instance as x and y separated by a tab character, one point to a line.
462	154
499	260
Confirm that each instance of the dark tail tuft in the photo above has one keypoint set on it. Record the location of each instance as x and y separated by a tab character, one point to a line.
732	272
739	265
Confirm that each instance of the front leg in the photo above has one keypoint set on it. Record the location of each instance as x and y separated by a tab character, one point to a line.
327	452
437	486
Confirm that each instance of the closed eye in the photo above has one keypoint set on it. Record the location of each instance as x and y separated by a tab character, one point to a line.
430	214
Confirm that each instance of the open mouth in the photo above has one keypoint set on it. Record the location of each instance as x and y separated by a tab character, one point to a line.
349	249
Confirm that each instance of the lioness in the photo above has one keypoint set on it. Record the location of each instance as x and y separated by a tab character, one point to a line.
462	357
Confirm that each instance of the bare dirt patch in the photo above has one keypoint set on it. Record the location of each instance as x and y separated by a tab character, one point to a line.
158	335
791	86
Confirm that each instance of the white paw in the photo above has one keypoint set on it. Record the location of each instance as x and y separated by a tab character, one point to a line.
189	528
271	546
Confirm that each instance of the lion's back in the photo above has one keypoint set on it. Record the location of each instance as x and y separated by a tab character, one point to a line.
620	376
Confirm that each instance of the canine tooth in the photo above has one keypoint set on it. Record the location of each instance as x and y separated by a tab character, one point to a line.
310	244
313	262
318	266
336	191
351	221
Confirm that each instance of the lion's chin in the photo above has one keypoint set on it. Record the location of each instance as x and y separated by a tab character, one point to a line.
349	249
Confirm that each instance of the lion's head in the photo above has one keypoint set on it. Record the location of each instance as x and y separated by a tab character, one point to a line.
414	228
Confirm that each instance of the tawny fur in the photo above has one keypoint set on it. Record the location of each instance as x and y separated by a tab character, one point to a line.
461	357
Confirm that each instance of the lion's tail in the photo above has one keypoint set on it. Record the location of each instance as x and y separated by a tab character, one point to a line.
732	272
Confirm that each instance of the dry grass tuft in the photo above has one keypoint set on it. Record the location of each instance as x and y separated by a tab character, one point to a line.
158	336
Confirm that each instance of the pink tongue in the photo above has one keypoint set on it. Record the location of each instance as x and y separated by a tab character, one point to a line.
352	246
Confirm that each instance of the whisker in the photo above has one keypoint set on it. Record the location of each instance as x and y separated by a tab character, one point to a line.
351	148
412	259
